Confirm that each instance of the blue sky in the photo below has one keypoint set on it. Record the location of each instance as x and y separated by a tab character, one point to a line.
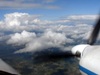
50	9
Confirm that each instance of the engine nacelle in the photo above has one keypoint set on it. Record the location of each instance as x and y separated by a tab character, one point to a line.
89	63
90	60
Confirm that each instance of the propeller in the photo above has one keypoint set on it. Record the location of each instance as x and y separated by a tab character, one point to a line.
94	33
77	50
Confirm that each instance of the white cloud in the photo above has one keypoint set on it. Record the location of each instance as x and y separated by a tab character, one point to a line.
83	17
33	43
18	22
37	34
16	19
21	38
23	21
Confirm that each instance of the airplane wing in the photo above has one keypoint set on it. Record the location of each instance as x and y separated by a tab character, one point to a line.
6	69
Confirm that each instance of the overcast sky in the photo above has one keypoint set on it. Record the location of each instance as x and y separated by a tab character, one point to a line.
43	24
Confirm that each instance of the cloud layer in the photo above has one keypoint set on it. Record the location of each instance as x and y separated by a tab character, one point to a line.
36	34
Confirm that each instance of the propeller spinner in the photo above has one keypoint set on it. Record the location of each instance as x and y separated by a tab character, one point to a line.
78	50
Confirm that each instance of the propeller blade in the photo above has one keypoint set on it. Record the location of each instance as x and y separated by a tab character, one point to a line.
53	56
94	33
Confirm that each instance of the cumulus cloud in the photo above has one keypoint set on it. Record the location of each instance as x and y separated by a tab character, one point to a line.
36	34
21	38
23	21
16	19
33	43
